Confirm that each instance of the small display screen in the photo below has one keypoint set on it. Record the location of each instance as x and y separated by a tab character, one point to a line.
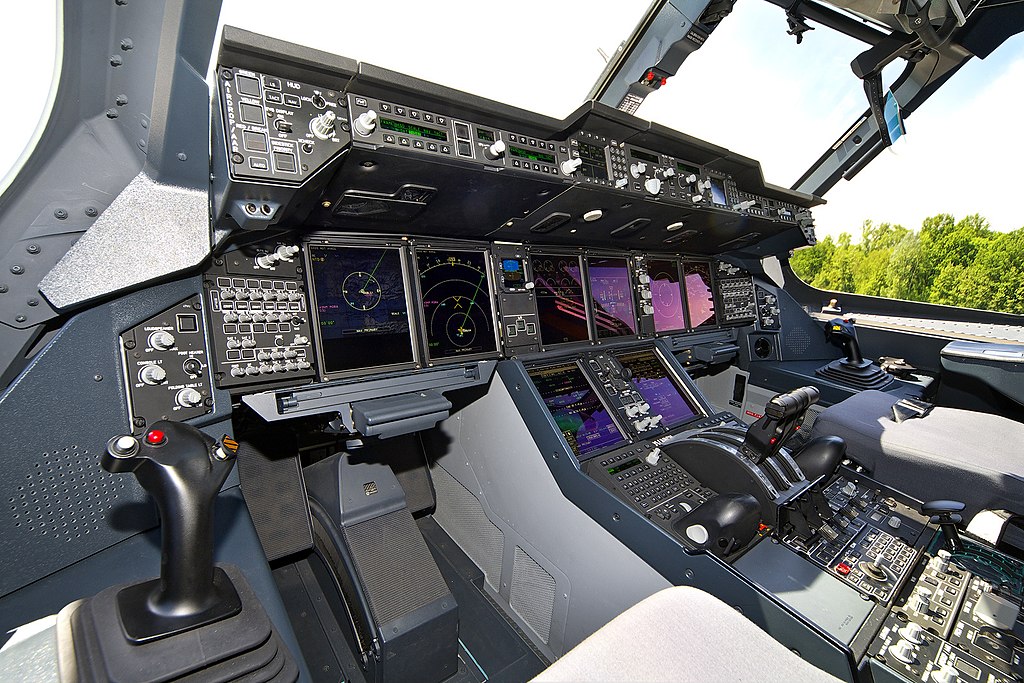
643	156
576	409
666	295
651	380
457	306
560	302
412	129
611	296
700	301
362	312
624	466
687	169
485	135
513	273
718	191
594	164
531	154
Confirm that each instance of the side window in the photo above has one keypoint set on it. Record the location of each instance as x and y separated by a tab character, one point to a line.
946	261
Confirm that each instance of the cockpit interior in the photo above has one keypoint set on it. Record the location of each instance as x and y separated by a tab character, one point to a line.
314	370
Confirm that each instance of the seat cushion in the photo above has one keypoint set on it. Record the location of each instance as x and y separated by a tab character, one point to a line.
681	634
952	454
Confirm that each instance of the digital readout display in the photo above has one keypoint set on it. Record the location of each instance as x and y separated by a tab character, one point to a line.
687	169
594	164
530	154
643	156
407	128
485	135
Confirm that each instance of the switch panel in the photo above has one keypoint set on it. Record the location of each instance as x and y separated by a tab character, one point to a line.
259	316
166	367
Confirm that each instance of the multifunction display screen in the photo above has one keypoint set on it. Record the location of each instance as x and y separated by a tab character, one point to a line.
457	306
611	296
361	306
594	164
576	409
643	156
700	300
666	295
561	305
651	380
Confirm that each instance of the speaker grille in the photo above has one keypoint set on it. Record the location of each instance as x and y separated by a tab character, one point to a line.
64	496
461	515
533	594
394	565
796	341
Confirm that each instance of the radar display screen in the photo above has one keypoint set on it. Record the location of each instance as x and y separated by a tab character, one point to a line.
576	409
666	295
651	380
594	164
700	301
611	296
458	309
561	305
362	312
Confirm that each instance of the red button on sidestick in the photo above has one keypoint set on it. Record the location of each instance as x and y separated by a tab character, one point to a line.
155	437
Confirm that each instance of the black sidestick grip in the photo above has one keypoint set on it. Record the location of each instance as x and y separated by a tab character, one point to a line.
183	469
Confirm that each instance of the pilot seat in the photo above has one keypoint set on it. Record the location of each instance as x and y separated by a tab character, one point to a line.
932	453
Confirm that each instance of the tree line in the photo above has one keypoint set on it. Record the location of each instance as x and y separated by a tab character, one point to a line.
957	263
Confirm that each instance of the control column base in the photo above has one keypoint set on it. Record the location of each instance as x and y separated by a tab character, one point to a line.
94	643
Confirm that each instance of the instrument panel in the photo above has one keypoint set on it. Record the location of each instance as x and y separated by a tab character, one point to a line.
355	305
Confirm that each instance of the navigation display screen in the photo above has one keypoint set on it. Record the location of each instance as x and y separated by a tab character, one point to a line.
458	309
700	301
612	296
666	295
581	417
531	154
651	380
718	191
412	129
561	305
362	311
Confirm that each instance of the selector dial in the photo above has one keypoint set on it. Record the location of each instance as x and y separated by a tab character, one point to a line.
153	375
161	340
365	123
188	398
638	169
496	150
323	126
571	166
652	185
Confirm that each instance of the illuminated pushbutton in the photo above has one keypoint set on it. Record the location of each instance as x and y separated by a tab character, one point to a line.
155	437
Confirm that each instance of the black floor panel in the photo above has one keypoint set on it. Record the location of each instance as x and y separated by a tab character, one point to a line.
501	652
491	648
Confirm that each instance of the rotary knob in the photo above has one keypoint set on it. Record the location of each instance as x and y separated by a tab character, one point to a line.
161	340
323	126
668	172
621	183
696	198
365	123
231	317
251	370
921	601
947	674
638	169
233	343
188	398
913	632
227	294
652	185
267	260
237	371
903	650
286	251
689	179
153	375
570	166
496	150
